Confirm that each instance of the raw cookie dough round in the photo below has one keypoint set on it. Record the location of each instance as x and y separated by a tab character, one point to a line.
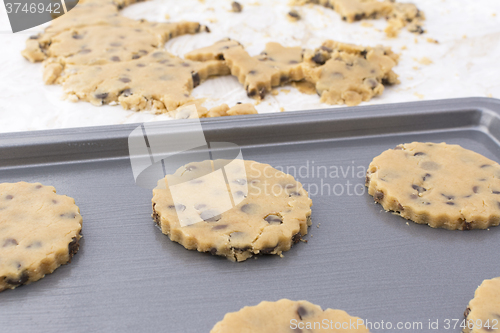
483	312
285	316
39	231
271	211
444	186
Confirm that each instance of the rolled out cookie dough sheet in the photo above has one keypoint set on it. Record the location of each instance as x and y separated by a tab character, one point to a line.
461	65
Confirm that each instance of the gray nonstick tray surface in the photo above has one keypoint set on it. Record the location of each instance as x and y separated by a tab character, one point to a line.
129	277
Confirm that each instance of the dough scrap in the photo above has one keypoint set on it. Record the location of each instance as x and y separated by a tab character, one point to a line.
349	74
398	15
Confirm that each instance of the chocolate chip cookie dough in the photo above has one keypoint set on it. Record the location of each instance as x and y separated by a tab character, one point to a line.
275	66
158	81
265	212
349	74
93	38
398	15
39	231
285	316
483	312
444	186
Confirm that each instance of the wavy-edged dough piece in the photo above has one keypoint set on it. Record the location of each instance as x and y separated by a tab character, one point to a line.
157	81
39	231
444	186
349	74
272	216
286	316
483	312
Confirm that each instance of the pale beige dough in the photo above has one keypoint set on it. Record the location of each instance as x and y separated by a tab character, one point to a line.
158	81
271	211
398	15
39	231
349	74
286	316
483	312
89	47
444	186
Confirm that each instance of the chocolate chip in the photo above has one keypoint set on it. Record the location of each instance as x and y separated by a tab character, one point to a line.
115	44
296	238
76	36
115	58
240	181
126	92
302	312
34	37
484	166
125	79
359	17
213	251
363	53
294	194
196	79
136	56
210	216
378	196
73	247
419	189
449	197
249	208
400	207
236	7
9	197
38	187
427	175
10	242
371	83
20	281
274	219
239	194
68	215
252	72
219	57
284	79
55	202
294	14
450	203
219	227
34	245
178	207
319	58
475	189
268	250
495	192
101	96
467	225
419	154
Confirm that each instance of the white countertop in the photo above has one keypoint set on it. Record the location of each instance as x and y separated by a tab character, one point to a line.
465	63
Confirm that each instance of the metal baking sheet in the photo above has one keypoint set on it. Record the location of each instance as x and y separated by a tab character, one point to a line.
129	277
